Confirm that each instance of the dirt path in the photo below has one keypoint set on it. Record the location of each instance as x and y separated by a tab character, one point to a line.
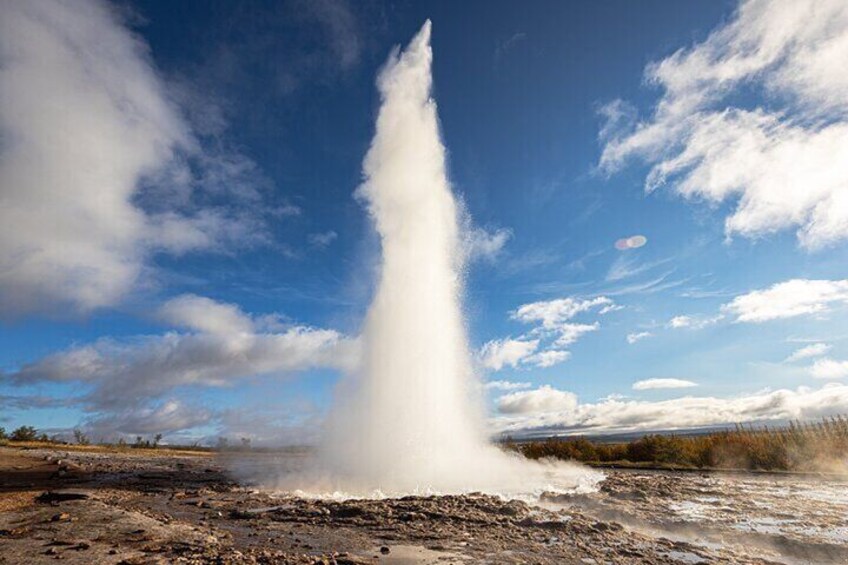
105	507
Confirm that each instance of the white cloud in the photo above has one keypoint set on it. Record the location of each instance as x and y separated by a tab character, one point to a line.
548	358
542	399
98	167
829	369
788	299
654	384
552	313
165	417
812	350
131	372
553	328
564	413
479	243
786	164
506	385
205	315
638	336
692	322
610	308
499	353
570	333
680	322
322	239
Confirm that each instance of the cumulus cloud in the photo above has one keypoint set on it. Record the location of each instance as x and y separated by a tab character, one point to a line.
812	350
542	399
785	164
562	413
637	336
131	373
500	353
788	299
506	385
829	369
552	313
654	384
205	315
98	167
553	328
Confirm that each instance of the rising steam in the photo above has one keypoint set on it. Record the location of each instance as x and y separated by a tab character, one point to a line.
410	419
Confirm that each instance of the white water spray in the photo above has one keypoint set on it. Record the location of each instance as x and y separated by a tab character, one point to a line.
410	420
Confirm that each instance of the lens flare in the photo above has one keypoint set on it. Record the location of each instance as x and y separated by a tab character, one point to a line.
632	242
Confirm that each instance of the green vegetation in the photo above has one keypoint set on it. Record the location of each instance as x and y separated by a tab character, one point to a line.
818	446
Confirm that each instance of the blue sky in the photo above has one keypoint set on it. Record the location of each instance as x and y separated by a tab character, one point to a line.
204	171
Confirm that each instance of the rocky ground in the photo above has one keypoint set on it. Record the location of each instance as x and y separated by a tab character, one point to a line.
125	507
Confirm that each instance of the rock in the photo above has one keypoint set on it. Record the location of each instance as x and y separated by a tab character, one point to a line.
50	497
60	517
385	550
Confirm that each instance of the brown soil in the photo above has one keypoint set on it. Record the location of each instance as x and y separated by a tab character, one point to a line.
122	507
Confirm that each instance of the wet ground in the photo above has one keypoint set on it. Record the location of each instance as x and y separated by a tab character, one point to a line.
126	507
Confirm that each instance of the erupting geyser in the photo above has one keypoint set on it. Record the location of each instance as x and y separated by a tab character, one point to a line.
410	419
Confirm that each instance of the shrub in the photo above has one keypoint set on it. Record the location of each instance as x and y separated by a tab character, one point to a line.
812	446
80	437
24	433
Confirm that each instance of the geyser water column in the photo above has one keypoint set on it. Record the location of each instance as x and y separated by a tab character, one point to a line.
410	419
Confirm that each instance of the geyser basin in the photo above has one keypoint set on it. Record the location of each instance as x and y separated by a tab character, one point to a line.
410	420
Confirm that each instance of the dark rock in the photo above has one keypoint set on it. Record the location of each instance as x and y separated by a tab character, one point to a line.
50	497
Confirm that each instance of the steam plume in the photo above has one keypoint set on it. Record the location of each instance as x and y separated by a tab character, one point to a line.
410	420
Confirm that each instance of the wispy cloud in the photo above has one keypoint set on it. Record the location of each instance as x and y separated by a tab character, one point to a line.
786	164
638	336
808	351
482	244
504	48
693	322
323	239
549	357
